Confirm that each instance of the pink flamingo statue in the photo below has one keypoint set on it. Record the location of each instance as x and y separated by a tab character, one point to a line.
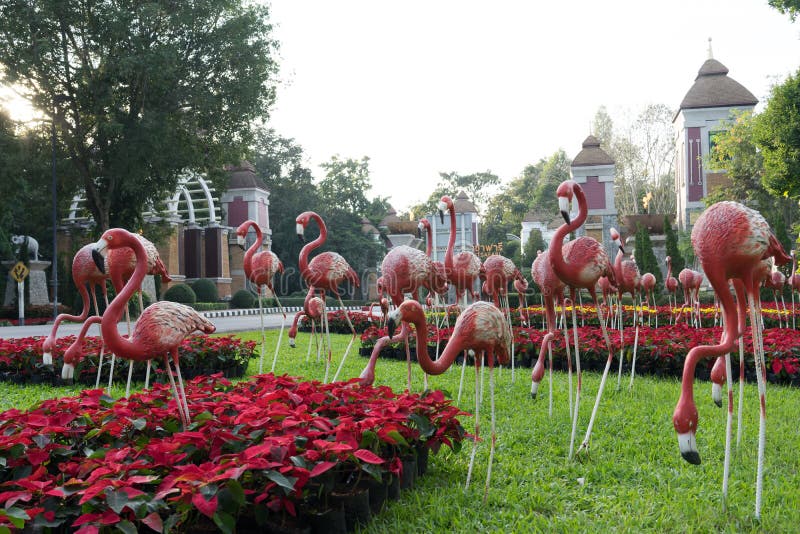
646	286
690	281
552	290
313	307
794	283
730	240
325	273
775	282
607	290
498	271
159	330
260	267
628	280
462	269
120	264
671	285
580	264
481	328
84	272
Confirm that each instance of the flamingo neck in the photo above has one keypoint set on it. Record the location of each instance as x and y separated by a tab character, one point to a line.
50	341
306	250
669	269
451	242
448	355
429	245
113	340
248	255
79	341
557	242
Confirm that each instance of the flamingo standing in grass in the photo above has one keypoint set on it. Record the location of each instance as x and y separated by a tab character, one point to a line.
325	273
260	267
690	281
552	289
498	271
580	264
462	269
481	328
671	285
159	331
628	280
730	240
794	282
775	281
437	285
84	272
313	307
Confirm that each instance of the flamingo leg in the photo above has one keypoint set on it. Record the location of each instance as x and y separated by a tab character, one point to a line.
726	469
175	393
477	424
180	385
621	344
263	332
328	336
741	391
280	334
793	309
350	344
494	430
311	338
507	307
635	346
147	370
758	351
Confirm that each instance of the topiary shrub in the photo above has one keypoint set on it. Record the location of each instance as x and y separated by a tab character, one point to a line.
243	299
205	290
181	293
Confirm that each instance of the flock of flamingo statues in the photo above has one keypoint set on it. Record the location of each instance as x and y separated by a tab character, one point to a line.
733	245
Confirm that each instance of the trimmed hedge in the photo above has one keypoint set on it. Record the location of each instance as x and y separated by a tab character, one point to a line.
205	290
243	299
182	293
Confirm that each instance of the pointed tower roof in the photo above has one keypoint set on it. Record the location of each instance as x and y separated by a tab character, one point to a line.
713	88
591	154
463	204
390	217
243	176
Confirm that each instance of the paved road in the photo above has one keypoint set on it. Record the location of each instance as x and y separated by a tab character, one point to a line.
223	324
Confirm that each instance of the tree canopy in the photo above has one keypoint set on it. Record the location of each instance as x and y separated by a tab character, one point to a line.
140	92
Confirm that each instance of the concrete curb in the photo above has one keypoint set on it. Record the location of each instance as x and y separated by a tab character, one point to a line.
267	311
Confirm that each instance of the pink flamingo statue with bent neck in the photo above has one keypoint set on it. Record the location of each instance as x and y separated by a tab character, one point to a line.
84	271
580	264
497	271
313	307
481	327
730	240
462	269
646	286
690	281
260	267
628	281
324	273
159	330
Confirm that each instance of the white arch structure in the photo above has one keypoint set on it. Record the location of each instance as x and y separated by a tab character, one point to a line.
193	191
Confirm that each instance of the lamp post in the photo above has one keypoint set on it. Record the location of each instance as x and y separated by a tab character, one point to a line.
56	100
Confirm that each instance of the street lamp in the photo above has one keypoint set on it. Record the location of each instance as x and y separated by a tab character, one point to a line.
57	99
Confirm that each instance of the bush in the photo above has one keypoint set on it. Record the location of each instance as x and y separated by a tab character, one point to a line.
181	293
243	299
205	290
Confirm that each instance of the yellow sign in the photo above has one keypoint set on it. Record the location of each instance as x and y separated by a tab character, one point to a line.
19	272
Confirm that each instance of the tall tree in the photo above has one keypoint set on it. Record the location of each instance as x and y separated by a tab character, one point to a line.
645	257
671	246
478	186
777	133
787	7
141	91
346	184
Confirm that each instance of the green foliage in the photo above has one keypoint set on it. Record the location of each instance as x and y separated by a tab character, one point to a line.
777	132
345	184
182	293
141	92
645	257
671	246
477	186
534	244
243	299
787	7
205	290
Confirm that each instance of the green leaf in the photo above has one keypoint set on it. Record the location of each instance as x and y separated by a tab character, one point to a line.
203	416
225	522
286	483
426	429
237	492
17	516
127	527
139	424
398	437
117	500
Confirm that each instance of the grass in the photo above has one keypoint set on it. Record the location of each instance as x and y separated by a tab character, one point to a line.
634	480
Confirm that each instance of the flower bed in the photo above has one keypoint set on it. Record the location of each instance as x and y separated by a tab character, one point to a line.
21	359
272	449
661	351
337	323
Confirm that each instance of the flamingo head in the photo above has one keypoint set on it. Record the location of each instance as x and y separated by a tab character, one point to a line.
684	419
71	358
292	335
409	310
445	204
565	192
47	351
423	224
615	237
301	222
384	306
111	239
241	233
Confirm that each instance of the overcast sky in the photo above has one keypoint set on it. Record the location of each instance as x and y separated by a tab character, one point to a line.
422	87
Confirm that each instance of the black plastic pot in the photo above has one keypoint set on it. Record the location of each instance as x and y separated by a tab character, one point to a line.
329	521
409	473
356	506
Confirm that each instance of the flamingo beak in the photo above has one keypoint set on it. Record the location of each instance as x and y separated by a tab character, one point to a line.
419	232
441	216
99	255
716	394
688	447
301	230
68	371
240	241
563	207
622	248
47	358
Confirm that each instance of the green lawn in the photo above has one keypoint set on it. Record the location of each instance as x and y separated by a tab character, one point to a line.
635	479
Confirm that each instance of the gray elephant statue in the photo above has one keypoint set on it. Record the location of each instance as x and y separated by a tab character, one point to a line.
33	245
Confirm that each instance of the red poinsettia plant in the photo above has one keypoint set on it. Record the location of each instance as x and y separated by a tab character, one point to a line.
252	449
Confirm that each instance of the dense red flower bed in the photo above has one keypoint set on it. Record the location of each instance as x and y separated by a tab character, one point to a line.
21	359
254	448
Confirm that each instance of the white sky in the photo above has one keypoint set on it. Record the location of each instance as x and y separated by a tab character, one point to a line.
423	87
427	86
